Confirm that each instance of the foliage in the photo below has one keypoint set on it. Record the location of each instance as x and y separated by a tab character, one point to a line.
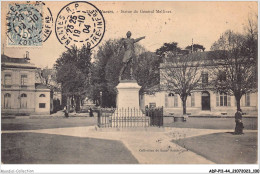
107	65
166	49
73	69
146	70
196	47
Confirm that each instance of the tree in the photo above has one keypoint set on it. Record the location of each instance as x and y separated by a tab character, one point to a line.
104	73
195	47
73	69
166	49
107	65
237	63
182	75
146	70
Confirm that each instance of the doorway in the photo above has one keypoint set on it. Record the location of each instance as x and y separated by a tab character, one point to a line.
205	100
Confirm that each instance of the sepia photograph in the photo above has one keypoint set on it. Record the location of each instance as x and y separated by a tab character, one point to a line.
129	82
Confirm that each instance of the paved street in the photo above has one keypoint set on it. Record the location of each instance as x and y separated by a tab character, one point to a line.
211	123
76	140
59	122
46	123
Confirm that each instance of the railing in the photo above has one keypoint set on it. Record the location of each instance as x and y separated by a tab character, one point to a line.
130	117
156	116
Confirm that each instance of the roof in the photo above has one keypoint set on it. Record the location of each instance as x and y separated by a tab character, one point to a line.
206	55
207	58
5	58
12	62
40	86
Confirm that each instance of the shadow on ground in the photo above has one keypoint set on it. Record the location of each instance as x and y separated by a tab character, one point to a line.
224	148
35	148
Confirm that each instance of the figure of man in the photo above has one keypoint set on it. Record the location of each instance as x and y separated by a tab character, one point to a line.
239	124
129	53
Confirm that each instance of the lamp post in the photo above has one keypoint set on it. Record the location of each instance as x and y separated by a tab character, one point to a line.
100	93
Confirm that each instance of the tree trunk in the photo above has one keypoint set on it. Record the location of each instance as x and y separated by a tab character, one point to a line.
238	97
184	106
68	104
77	98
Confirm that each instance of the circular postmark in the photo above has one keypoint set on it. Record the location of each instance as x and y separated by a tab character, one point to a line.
47	21
27	25
80	23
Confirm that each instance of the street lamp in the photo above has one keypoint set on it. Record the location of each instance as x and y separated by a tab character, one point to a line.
100	93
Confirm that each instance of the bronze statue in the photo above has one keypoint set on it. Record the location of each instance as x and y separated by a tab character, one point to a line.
129	53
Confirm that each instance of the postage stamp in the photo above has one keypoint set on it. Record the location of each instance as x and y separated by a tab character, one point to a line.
80	23
28	24
24	25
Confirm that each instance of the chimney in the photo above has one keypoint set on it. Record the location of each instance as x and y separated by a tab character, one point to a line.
27	56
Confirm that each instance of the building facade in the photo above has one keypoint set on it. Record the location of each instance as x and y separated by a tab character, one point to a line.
20	93
204	100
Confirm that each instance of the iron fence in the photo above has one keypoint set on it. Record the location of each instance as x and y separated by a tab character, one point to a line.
156	116
130	117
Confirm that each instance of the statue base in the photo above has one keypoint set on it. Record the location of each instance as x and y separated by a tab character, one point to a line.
128	94
128	112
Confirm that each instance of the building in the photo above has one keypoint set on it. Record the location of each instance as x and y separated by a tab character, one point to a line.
47	76
20	92
204	100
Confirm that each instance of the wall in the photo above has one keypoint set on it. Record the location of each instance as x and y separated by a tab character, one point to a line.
159	99
45	100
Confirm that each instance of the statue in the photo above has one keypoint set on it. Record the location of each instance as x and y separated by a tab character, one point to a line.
129	53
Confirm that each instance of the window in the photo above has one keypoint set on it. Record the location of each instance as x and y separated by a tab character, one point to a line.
41	105
42	95
192	100
247	99
23	103
204	77
23	95
223	99
166	101
7	101
175	100
7	80
24	81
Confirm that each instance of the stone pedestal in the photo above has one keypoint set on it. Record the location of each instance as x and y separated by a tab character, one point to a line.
128	112
128	94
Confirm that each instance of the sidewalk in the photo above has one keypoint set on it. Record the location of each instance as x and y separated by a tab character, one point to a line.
59	114
147	147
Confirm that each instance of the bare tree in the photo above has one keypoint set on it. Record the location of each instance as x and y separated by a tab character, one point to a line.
236	64
181	75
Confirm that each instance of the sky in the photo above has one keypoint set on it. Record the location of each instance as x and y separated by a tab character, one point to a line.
204	22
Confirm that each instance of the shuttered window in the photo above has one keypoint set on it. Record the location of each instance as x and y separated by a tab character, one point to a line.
192	100
217	99
247	99
176	100
166	100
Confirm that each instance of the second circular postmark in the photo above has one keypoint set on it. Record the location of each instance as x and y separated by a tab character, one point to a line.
80	23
